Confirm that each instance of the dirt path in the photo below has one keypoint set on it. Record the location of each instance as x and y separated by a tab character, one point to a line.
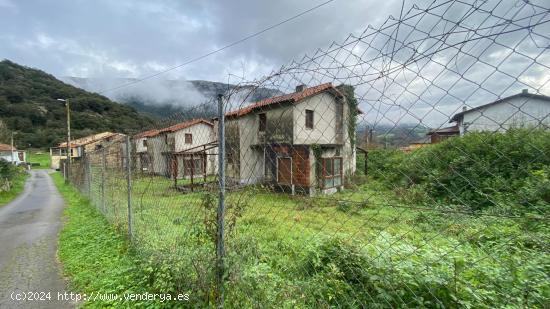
29	227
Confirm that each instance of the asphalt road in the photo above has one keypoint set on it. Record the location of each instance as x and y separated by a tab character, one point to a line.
29	227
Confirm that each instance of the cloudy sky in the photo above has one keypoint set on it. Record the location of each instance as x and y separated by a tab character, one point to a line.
425	69
134	38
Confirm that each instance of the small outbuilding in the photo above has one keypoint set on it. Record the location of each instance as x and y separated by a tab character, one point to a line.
11	154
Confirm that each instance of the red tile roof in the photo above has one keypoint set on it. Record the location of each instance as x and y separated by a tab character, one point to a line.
90	139
287	98
4	147
149	133
183	125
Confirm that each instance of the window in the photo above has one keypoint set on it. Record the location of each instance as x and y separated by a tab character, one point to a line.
263	122
144	143
309	119
332	172
194	166
188	138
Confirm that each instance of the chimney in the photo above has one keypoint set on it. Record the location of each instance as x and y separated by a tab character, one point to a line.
300	88
524	91
464	108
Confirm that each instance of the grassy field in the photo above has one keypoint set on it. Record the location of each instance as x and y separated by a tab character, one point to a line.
95	257
355	247
40	157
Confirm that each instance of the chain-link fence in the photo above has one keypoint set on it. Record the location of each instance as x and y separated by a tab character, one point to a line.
408	166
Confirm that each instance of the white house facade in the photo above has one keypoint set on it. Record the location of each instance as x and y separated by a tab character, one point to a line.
9	154
180	151
521	110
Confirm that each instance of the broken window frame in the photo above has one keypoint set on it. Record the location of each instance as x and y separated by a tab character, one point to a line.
262	119
188	138
310	119
332	179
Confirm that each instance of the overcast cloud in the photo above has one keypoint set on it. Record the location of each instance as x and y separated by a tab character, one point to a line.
134	38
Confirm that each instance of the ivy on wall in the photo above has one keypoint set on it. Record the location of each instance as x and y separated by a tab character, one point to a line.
349	93
316	149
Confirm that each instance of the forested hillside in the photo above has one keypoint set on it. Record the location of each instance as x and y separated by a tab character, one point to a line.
29	106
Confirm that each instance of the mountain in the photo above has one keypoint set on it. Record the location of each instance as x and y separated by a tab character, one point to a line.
161	98
29	106
394	135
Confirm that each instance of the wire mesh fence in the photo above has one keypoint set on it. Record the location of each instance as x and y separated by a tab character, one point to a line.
407	166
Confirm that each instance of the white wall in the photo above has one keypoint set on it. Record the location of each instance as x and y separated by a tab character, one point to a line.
7	156
155	147
324	126
515	112
201	134
251	160
139	144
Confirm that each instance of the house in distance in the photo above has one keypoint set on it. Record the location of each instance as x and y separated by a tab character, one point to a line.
12	155
520	110
80	146
177	151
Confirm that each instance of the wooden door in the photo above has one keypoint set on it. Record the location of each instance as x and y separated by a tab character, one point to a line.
284	171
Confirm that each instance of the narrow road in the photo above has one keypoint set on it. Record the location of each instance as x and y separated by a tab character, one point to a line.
29	227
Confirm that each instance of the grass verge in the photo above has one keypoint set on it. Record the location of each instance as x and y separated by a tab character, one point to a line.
95	257
40	158
17	187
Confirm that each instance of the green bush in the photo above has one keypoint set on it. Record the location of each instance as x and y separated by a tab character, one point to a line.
8	171
479	170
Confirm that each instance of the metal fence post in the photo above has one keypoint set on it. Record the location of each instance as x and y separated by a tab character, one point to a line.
103	181
129	185
90	176
221	205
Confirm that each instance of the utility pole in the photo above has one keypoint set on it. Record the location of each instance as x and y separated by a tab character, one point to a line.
129	187
220	251
12	157
68	163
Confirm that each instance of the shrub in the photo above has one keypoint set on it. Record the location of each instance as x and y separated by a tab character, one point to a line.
479	170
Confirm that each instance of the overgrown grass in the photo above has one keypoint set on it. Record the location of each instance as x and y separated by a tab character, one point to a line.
17	184
39	157
506	172
356	247
96	258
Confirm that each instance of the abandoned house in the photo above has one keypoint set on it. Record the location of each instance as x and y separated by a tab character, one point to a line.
80	146
181	150
520	110
301	141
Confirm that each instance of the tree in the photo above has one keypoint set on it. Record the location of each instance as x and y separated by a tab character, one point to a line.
5	134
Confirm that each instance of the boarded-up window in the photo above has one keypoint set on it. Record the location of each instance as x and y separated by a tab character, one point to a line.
188	138
263	122
309	119
332	172
284	171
